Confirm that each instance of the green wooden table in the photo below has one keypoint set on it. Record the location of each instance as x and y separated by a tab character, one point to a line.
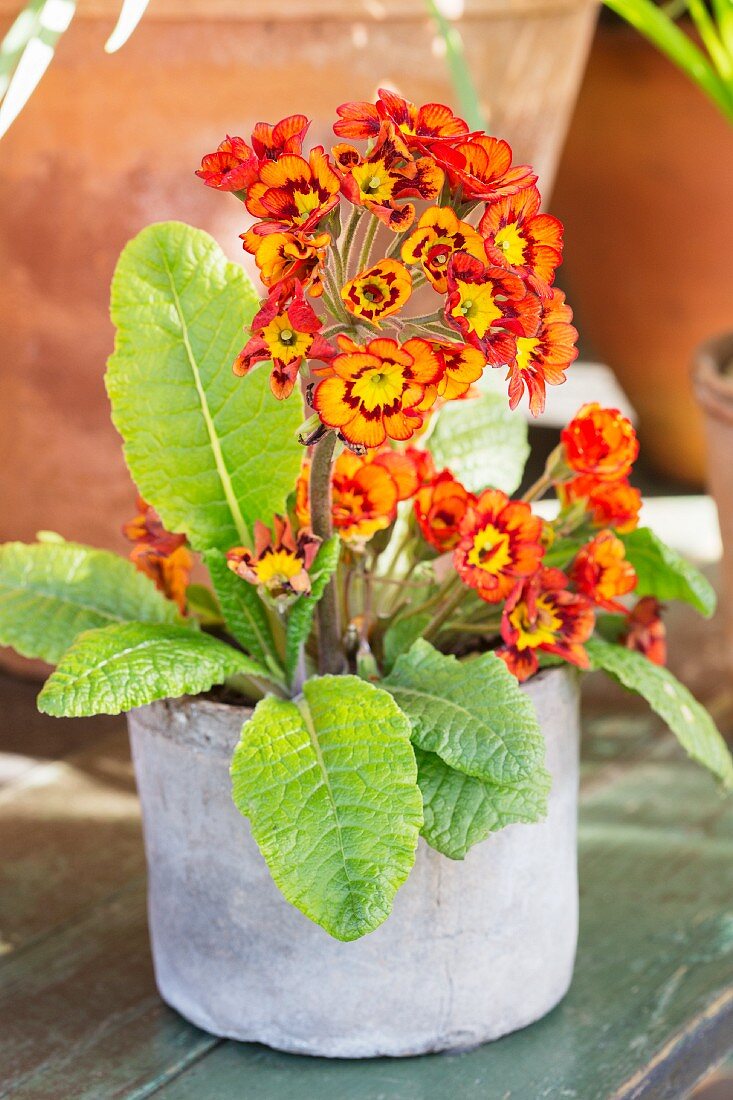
649	1013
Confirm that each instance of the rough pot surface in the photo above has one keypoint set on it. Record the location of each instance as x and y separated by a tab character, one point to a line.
473	949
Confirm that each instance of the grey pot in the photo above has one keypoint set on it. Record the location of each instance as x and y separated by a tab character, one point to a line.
473	949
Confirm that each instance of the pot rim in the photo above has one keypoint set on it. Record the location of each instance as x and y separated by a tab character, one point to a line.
714	391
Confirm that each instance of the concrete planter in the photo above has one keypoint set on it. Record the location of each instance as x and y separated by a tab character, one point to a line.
472	951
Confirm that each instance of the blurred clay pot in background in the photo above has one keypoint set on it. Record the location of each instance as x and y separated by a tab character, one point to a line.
109	144
713	381
644	189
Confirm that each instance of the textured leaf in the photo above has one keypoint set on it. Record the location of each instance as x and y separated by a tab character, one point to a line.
664	573
329	784
473	714
300	616
401	635
52	591
482	441
687	719
460	811
119	667
244	611
212	452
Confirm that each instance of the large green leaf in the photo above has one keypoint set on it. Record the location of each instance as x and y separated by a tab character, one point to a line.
473	714
664	573
119	667
329	783
212	452
460	811
401	635
687	719
52	591
244	612
482	441
300	616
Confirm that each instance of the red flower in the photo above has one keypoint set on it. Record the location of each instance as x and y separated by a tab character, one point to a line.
610	503
287	136
543	358
438	235
525	241
646	633
481	168
542	616
440	508
378	292
289	256
162	556
287	331
421	127
292	193
461	366
280	562
233	167
602	573
601	442
490	307
500	543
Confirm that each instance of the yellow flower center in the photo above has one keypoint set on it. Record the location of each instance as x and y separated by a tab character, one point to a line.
379	387
525	349
476	303
490	550
306	202
283	342
375	185
543	631
510	240
278	565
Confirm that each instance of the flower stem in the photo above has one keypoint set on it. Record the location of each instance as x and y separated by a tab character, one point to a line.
538	488
366	248
330	655
454	593
356	216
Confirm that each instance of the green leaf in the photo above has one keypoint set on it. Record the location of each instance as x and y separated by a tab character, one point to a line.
482	441
119	667
473	714
329	783
460	811
300	616
202	602
663	573
210	451
687	719
244	612
52	591
401	635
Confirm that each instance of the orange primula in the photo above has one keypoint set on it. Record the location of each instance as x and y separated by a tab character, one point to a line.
280	561
601	442
292	193
440	233
602	573
490	307
386	176
500	543
481	167
646	632
286	330
379	291
421	127
162	556
287	136
461	366
525	241
613	504
373	392
289	256
440	508
542	616
543	358
233	167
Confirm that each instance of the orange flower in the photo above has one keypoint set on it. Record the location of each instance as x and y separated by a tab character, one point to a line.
287	331
162	556
500	544
490	307
481	168
289	256
542	359
461	366
421	127
233	167
601	442
280	562
440	508
379	291
610	503
602	573
438	235
525	241
387	175
646	632
292	193
541	616
372	392
287	136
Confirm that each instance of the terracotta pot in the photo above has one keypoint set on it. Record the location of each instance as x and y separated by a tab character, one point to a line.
109	144
644	191
713	380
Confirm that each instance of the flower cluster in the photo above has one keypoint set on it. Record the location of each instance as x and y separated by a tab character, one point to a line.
424	202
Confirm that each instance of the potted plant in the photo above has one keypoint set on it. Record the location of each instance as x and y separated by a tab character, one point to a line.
386	660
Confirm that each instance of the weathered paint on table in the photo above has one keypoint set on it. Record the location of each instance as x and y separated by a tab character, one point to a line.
649	1012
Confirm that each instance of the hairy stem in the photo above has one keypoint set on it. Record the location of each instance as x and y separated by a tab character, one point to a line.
330	655
356	216
366	248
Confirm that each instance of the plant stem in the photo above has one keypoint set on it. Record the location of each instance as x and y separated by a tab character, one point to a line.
356	216
366	248
456	592
538	488
330	656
